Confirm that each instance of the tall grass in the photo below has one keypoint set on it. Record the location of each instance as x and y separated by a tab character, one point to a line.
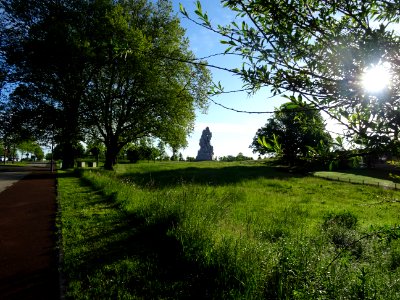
244	231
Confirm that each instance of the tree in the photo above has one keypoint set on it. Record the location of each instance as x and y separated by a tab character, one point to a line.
291	132
174	156
320	50
27	147
115	67
6	133
47	55
161	149
3	76
48	156
181	157
136	153
77	151
242	157
38	151
133	155
13	131
142	150
229	158
143	87
95	150
94	147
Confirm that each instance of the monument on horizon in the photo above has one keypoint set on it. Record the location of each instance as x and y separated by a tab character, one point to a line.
206	151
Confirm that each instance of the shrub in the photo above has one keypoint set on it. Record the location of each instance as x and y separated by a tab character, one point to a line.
341	231
345	219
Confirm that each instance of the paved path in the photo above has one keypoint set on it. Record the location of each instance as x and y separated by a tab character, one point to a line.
28	256
7	179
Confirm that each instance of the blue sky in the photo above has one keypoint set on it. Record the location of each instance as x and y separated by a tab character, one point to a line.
232	132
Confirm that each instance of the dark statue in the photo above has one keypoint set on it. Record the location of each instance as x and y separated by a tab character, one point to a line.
206	151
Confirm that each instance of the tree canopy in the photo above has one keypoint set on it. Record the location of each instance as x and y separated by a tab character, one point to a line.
320	50
291	132
117	69
32	147
44	49
143	86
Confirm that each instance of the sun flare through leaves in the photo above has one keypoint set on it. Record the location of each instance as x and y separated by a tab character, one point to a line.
377	77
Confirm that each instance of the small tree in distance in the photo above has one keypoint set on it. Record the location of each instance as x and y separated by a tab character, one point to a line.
291	132
239	157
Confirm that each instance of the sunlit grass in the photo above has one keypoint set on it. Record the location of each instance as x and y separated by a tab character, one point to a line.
13	163
230	230
358	178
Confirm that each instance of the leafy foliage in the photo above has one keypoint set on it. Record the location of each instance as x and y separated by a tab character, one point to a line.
115	68
320	50
44	49
77	151
239	157
291	132
31	147
143	86
142	151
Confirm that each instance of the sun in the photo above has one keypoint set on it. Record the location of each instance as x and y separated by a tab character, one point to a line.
376	78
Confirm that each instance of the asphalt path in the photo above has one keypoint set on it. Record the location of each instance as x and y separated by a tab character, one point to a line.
7	179
28	253
10	174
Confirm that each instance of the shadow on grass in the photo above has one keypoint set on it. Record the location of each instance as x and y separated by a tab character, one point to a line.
207	176
127	254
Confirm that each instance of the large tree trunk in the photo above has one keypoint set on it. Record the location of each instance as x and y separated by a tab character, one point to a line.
68	156
70	132
68	151
111	155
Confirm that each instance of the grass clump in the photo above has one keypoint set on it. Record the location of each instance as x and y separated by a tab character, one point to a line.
345	219
226	231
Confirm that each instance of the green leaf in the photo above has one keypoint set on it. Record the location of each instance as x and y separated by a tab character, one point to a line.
199	10
264	143
183	10
198	5
291	106
228	49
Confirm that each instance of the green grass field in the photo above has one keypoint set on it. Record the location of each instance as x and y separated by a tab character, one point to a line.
214	230
13	164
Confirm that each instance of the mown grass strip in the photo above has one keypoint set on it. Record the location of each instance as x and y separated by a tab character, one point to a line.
358	179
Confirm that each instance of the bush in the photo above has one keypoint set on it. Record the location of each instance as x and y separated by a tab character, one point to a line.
345	219
341	231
